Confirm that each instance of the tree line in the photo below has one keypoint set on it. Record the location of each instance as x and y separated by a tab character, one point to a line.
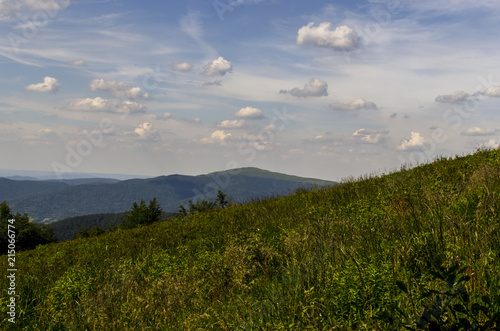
30	234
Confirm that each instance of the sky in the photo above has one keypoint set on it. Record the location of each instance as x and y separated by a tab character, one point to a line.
324	89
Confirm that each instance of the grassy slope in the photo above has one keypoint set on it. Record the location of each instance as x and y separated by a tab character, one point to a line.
323	259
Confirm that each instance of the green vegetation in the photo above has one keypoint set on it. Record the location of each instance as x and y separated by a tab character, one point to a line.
413	250
28	235
51	201
67	228
204	205
142	215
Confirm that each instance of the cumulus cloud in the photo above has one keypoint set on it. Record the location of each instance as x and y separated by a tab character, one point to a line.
493	91
369	137
358	104
315	88
217	137
416	141
218	67
249	113
106	105
475	131
231	124
49	85
147	132
342	38
118	89
78	63
454	98
183	66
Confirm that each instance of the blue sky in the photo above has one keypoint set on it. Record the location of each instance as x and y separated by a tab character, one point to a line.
325	89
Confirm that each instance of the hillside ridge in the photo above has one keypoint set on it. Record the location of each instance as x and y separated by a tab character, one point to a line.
53	200
414	249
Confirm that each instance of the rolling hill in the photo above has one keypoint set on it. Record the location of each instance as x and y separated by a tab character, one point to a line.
51	200
417	249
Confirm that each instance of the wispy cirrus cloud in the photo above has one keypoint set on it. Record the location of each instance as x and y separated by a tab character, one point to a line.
182	66
10	9
476	131
457	97
78	63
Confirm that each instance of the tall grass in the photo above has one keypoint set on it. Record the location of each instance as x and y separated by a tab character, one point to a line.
369	254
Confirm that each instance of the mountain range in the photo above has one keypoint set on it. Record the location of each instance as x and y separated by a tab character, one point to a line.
51	200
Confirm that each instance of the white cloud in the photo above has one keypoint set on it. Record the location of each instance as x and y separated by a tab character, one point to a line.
358	104
217	137
118	89
10	9
315	88
416	141
147	131
342	38
369	137
213	83
231	124
164	116
454	98
78	63
493	91
49	85
106	105
475	131
182	66
492	143
196	120
43	136
218	67
47	133
249	113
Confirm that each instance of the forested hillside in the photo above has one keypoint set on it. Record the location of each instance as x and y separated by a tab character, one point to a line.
417	249
50	201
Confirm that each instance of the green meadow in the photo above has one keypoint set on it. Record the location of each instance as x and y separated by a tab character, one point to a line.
416	249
